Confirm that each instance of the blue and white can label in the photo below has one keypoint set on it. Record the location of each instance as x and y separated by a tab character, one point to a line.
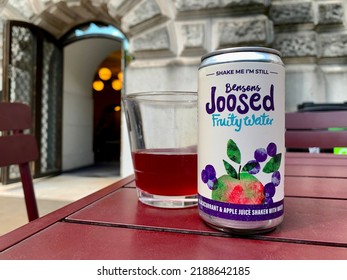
241	143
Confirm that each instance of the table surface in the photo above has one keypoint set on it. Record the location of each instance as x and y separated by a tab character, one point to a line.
112	224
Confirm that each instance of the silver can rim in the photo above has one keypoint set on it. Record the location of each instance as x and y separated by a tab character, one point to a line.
241	49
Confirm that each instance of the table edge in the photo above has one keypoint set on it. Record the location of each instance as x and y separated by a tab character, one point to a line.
9	239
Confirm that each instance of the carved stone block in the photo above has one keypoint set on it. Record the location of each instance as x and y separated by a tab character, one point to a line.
143	12
193	38
296	44
156	43
118	8
193	5
292	12
237	31
330	12
193	35
23	7
154	40
333	45
243	2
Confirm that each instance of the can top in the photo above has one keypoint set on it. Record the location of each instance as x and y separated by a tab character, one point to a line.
241	49
241	54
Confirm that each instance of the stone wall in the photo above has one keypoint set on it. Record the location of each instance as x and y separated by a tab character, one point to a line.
311	36
169	35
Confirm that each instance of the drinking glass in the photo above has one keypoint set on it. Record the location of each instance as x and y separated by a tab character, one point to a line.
162	130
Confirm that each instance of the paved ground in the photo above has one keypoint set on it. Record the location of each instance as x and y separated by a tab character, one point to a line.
52	193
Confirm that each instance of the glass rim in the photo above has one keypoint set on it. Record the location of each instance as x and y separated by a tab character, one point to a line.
162	96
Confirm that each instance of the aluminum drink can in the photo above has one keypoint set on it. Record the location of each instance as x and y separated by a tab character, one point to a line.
241	148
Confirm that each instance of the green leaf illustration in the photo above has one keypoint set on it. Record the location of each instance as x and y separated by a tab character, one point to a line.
230	169
273	164
249	166
233	152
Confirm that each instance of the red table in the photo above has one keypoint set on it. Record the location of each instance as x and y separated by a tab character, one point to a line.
112	224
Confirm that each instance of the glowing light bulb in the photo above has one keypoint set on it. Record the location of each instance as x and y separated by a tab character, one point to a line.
105	73
116	84
120	76
98	85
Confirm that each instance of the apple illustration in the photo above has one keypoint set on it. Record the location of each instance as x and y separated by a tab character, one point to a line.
246	190
240	186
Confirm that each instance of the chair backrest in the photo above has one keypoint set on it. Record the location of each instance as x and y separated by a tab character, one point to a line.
19	148
316	129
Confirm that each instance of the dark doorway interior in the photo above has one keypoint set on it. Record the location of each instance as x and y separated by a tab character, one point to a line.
107	111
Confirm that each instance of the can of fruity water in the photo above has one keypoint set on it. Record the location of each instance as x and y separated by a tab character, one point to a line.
241	139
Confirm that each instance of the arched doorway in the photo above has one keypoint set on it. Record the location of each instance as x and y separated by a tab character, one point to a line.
63	116
91	116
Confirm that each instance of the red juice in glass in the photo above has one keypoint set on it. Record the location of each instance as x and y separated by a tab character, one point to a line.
168	172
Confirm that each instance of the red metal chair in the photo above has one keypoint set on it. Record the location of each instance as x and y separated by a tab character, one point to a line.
19	148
